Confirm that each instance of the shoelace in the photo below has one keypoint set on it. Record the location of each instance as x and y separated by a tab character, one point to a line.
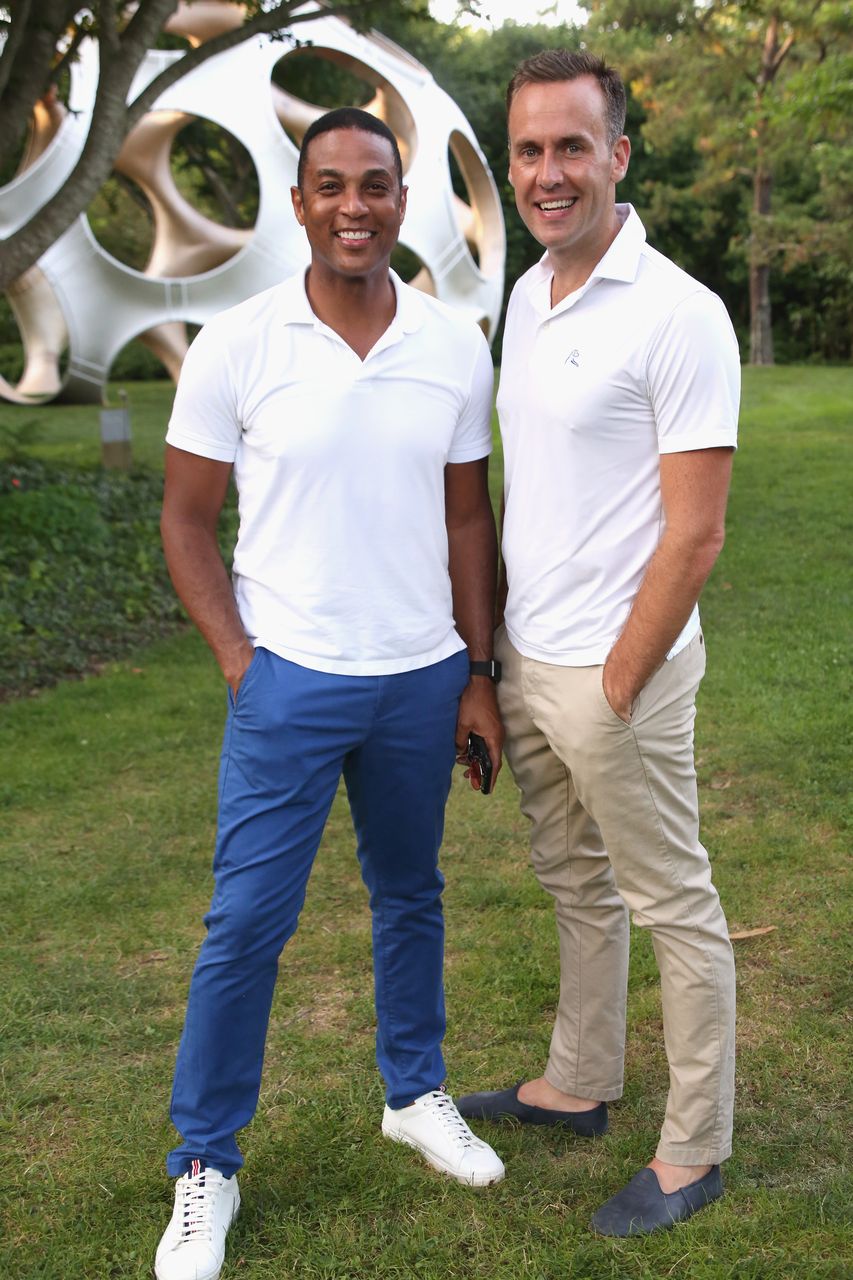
445	1108
197	1201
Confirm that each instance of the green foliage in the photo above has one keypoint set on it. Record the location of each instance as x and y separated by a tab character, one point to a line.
215	173
82	574
320	80
18	437
8	323
121	221
716	113
11	360
135	363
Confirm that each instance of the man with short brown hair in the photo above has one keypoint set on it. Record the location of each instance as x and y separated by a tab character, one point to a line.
618	409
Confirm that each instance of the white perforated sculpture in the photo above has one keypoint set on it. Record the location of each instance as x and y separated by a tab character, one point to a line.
81	298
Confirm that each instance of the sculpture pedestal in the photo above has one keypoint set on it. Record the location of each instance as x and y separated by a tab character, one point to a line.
116	448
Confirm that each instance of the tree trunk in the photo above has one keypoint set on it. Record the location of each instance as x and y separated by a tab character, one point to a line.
119	58
760	319
773	55
25	66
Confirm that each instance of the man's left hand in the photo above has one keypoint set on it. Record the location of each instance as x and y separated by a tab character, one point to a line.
478	713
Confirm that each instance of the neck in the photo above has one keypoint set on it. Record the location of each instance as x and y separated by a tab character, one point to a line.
345	302
573	269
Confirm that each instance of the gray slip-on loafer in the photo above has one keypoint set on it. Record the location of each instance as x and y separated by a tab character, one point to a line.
505	1104
641	1206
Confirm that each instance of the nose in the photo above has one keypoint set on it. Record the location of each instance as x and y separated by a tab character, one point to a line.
549	172
353	202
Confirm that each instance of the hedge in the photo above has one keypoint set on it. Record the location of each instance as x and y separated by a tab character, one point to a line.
82	573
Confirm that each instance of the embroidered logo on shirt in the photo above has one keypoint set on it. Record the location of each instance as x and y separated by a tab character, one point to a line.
574	357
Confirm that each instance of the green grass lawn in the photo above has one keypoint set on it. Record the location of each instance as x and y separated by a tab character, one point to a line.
70	434
107	793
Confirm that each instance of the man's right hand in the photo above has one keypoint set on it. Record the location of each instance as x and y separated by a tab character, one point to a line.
242	659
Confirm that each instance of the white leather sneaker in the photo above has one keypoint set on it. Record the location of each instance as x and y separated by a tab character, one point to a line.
193	1244
435	1128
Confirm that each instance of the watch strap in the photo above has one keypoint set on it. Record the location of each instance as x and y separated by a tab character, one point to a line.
491	668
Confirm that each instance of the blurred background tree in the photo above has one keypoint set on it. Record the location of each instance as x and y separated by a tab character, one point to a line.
748	118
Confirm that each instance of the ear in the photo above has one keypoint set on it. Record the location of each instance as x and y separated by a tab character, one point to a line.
296	199
404	192
621	156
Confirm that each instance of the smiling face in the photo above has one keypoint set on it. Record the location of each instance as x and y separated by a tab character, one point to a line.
564	170
350	203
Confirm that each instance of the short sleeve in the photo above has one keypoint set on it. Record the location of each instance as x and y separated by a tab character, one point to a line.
693	375
472	438
204	415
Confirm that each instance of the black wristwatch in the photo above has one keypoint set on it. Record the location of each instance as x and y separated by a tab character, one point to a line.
492	669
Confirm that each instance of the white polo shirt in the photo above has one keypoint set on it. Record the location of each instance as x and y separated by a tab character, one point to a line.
341	562
641	360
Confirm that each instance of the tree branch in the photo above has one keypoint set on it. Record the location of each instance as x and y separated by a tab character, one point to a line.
70	53
107	28
106	133
782	52
262	24
13	40
25	63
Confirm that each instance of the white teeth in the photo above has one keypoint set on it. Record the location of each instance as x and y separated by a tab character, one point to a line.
354	235
557	204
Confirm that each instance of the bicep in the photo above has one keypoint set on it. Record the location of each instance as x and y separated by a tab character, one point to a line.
466	491
694	488
195	488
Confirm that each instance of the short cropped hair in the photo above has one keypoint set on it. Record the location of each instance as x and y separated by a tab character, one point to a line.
347	118
553	65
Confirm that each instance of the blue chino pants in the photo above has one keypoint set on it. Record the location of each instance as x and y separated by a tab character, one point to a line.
288	739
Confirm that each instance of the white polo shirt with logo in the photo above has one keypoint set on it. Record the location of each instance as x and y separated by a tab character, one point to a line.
640	361
341	563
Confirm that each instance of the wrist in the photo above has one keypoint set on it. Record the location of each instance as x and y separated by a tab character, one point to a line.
488	669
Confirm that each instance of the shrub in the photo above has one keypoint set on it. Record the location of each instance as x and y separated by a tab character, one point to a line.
82	573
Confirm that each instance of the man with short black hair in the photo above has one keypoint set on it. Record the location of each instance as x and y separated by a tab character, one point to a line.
355	639
618	408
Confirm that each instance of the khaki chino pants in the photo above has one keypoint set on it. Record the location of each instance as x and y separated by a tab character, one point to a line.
615	824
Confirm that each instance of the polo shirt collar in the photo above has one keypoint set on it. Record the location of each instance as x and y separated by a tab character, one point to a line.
296	309
620	262
622	259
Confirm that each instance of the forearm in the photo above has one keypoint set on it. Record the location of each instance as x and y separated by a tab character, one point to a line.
672	584
473	564
473	569
204	588
694	490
